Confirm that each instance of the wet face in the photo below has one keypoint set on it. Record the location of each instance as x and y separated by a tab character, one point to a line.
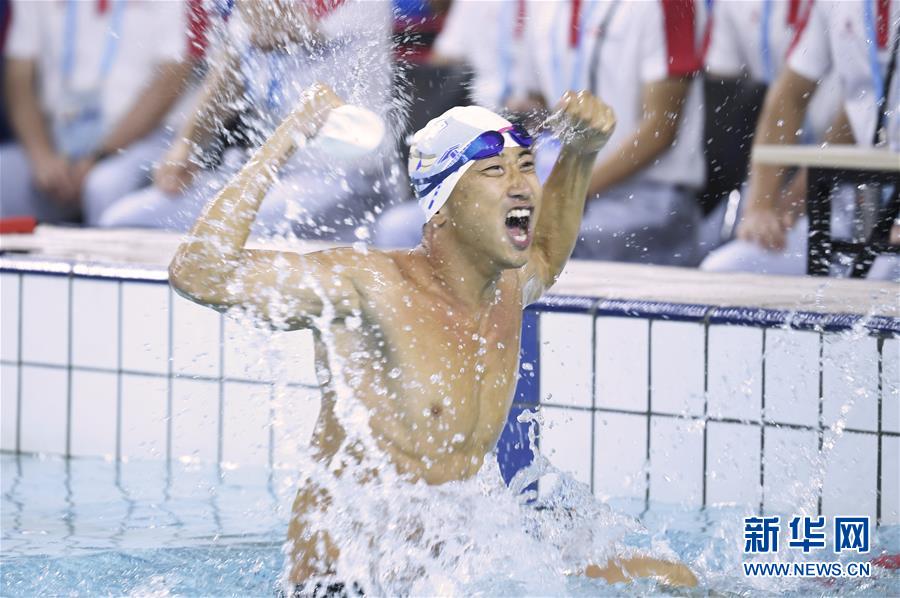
495	205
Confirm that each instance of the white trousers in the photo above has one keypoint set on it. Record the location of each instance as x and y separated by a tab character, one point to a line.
744	256
106	183
311	203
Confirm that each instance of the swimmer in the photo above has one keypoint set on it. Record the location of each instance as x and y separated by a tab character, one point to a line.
430	336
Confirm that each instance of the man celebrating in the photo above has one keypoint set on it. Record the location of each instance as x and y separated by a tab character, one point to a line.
427	338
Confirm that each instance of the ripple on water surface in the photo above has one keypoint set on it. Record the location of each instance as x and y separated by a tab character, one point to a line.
88	527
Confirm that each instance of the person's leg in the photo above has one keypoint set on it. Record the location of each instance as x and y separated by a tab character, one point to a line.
400	226
744	256
626	570
115	177
18	195
643	223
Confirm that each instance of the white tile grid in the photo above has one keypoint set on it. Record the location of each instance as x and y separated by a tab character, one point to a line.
732	464
9	406
144	413
94	413
293	358
195	420
734	372
95	313
9	316
676	367
294	414
44	392
145	327
849	486
195	342
793	471
45	319
621	367
890	480
792	377
890	385
676	461
850	381
245	350
620	455
565	439
565	359
246	424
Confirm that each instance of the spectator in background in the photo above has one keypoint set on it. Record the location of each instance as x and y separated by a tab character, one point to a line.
641	58
88	86
272	52
750	41
416	25
835	37
483	38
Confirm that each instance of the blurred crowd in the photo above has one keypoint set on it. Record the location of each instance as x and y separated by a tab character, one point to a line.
133	114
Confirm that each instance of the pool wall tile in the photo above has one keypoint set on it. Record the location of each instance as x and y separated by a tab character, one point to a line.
145	327
676	461
735	372
94	414
890	386
565	359
791	476
620	455
850	381
294	414
244	351
733	454
9	316
44	397
9	407
294	354
246	423
144	427
792	377
622	363
890	480
850	475
95	334
195	420
566	440
677	367
195	338
45	320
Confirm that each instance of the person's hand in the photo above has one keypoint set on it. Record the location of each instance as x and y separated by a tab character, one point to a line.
53	176
312	110
175	172
80	170
584	122
765	227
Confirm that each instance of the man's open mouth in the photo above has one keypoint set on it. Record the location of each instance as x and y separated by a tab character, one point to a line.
518	226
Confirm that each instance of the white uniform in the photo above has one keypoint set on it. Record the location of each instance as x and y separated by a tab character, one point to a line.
833	39
752	38
486	36
311	197
617	48
146	35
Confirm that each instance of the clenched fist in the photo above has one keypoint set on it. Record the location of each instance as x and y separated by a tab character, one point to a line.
583	122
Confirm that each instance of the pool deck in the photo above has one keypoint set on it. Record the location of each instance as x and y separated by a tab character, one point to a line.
149	251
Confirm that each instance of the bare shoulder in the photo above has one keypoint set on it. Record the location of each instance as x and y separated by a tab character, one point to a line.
366	267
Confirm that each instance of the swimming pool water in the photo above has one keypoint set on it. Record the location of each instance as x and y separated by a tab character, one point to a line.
91	527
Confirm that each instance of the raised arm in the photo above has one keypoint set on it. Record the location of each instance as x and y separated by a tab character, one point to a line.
587	125
212	266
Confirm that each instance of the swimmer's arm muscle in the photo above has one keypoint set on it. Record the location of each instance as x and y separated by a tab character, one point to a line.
591	123
214	268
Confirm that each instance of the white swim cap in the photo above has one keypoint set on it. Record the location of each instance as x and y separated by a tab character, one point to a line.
439	146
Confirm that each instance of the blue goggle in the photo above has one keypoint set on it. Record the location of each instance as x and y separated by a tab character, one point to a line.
486	145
